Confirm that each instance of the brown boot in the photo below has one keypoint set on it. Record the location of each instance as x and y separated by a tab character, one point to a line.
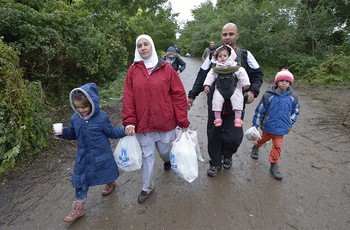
77	212
108	189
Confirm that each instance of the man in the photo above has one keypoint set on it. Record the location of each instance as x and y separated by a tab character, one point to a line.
224	141
209	50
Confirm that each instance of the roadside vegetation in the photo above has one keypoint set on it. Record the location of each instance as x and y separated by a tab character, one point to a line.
49	47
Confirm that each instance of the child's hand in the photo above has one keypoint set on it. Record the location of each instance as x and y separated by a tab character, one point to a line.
130	130
206	89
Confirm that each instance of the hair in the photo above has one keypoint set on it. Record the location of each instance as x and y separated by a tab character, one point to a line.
77	95
218	51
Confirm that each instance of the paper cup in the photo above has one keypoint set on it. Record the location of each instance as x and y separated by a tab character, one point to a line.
58	128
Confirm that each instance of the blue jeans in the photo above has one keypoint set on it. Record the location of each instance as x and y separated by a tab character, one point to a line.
81	194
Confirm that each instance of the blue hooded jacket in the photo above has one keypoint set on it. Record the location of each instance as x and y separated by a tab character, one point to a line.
94	161
277	111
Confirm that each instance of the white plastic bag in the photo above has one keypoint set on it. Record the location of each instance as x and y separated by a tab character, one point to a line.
194	138
252	134
183	157
128	154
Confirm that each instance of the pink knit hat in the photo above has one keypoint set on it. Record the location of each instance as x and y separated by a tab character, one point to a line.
284	74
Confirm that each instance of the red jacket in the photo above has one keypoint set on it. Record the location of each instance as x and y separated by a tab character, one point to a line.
155	102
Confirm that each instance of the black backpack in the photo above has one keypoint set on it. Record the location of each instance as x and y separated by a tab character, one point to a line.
225	82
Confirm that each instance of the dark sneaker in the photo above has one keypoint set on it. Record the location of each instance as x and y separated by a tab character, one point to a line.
167	166
143	196
255	152
275	172
213	170
227	164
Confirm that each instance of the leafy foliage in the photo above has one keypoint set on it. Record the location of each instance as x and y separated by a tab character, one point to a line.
24	122
299	35
335	69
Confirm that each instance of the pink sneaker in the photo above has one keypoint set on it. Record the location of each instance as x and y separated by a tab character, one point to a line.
76	212
238	123
108	189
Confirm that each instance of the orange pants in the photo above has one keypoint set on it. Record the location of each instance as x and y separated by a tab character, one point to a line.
276	145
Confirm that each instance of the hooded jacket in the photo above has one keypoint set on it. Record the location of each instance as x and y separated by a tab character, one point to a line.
277	111
154	102
94	161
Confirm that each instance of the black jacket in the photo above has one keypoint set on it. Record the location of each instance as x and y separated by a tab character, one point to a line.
178	64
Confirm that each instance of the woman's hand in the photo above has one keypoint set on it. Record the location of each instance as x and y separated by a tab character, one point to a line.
130	130
206	89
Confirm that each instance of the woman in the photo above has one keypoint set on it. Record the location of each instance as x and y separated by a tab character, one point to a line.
154	103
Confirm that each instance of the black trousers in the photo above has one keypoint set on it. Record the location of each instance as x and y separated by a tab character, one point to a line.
223	141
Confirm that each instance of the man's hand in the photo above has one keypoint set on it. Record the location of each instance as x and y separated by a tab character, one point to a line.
190	102
206	89
249	97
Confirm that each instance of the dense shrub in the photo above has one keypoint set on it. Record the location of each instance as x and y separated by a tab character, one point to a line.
335	69
24	122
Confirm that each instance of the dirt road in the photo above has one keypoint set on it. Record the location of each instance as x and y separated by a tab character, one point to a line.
314	193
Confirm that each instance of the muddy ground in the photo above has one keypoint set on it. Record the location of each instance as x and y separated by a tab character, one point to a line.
314	193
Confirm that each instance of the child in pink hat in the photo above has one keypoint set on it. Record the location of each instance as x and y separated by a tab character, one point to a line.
275	114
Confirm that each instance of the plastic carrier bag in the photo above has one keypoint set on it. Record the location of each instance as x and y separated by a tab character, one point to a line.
128	154
183	157
194	138
252	134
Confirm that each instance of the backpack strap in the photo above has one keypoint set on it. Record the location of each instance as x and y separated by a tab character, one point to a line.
239	56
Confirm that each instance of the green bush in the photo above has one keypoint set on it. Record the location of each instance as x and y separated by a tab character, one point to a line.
113	91
335	69
24	120
297	63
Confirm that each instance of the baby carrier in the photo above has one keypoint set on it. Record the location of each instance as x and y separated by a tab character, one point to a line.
226	81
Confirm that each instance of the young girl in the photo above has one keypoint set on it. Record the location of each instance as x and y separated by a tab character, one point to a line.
94	161
224	58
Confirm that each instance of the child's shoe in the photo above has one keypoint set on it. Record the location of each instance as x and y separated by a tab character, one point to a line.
218	122
275	171
108	189
77	212
255	152
238	123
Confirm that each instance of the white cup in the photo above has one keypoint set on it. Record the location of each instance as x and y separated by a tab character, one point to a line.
58	128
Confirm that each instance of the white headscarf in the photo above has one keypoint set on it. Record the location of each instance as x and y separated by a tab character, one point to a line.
231	60
153	59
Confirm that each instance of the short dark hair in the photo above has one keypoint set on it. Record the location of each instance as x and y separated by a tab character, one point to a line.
77	95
